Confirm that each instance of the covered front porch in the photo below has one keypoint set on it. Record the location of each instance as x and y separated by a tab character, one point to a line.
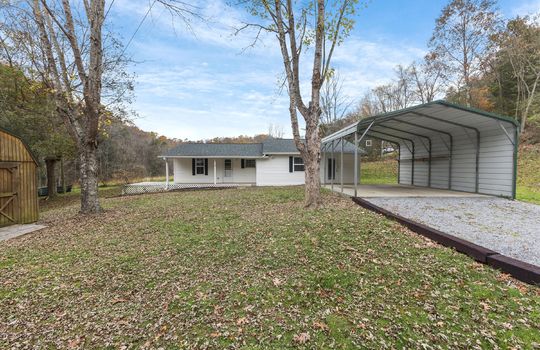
194	171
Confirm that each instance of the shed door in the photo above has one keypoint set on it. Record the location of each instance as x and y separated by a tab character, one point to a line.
9	193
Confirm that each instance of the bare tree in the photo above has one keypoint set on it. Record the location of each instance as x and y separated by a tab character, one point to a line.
61	44
397	94
427	79
334	103
520	47
80	110
417	83
460	41
298	25
276	131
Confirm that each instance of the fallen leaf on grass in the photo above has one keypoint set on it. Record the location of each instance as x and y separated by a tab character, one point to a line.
72	344
241	321
301	338
320	325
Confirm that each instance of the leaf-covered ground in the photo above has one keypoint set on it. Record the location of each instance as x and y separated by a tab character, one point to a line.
249	268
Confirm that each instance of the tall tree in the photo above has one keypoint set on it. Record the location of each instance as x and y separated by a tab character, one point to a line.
460	41
323	25
61	44
80	111
518	61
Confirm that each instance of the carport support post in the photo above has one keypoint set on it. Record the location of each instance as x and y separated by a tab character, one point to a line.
341	166
355	163
429	166
450	160
332	168
412	166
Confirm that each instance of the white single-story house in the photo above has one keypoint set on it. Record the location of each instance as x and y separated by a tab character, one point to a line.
273	162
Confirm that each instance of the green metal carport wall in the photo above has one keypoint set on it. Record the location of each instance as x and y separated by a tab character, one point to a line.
473	147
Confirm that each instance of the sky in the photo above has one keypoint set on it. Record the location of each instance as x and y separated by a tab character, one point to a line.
204	82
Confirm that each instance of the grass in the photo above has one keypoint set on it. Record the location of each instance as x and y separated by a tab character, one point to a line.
250	269
379	172
528	185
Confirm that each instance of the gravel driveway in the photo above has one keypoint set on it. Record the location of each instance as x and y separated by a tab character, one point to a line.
511	228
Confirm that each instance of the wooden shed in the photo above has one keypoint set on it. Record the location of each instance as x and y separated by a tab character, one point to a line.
18	181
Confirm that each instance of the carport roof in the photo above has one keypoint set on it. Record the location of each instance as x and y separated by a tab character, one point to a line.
436	117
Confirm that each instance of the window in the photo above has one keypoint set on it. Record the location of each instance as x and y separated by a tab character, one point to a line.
199	166
368	143
298	164
249	163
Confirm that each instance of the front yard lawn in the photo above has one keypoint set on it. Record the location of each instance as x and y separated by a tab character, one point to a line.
249	268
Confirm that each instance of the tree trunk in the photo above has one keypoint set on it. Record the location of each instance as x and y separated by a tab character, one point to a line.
89	179
312	164
313	183
62	175
50	164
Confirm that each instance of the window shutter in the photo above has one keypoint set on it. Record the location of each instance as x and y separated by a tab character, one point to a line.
193	166
242	163
205	166
290	164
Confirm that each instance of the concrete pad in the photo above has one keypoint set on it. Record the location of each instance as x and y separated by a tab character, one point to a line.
13	231
393	191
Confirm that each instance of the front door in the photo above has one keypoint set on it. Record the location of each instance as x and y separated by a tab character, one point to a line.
228	170
9	193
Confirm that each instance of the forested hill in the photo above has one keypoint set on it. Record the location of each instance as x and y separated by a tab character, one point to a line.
124	150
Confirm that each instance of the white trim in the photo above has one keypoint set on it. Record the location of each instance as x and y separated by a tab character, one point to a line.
281	153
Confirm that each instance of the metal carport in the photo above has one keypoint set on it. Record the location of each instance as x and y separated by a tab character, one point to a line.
441	145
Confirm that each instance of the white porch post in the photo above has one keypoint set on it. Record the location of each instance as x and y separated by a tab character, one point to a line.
355	163
215	173
166	173
341	166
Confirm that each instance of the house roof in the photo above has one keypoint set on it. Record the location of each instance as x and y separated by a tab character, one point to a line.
279	146
240	150
216	150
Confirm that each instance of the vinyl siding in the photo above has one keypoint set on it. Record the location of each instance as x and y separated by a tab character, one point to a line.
274	171
348	168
